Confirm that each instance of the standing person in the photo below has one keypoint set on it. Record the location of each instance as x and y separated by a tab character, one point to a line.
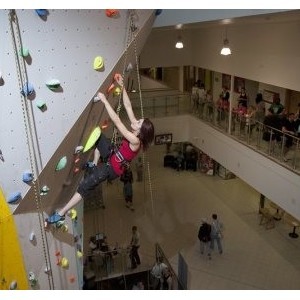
157	273
204	237
195	97
202	99
243	98
135	245
288	129
179	161
139	137
167	279
139	169
127	179
209	105
216	233
250	119
260	108
223	104
276	107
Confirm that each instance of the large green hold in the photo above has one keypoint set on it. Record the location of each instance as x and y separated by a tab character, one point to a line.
94	136
61	164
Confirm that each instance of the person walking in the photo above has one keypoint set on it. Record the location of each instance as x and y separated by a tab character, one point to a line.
204	237
216	233
135	245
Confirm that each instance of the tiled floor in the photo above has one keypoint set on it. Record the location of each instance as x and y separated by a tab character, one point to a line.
253	258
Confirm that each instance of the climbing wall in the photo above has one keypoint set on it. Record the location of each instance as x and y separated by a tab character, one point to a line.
61	45
55	51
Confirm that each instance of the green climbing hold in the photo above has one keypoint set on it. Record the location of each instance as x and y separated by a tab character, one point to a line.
94	136
53	84
61	164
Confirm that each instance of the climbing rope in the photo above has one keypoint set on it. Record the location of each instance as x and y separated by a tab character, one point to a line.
130	37
28	122
144	157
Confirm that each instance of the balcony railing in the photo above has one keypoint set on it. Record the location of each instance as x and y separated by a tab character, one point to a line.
267	140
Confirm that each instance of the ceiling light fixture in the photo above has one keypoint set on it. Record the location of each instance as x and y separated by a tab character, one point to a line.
179	43
225	50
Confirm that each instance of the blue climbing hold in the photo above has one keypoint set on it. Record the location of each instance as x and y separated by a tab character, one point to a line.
27	89
27	176
41	12
14	197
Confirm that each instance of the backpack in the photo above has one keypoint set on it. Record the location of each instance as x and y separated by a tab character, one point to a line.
204	232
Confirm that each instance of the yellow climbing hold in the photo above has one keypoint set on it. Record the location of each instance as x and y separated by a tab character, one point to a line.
73	214
94	136
64	262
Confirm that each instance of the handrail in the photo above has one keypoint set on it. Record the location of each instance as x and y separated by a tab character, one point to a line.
249	134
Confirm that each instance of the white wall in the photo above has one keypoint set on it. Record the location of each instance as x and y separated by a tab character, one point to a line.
267	177
151	84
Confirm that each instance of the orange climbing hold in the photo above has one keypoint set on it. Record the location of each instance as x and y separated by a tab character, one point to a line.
111	12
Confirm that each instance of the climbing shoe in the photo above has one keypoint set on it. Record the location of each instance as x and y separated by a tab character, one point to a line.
55	218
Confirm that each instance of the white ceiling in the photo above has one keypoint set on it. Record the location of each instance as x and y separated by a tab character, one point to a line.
195	19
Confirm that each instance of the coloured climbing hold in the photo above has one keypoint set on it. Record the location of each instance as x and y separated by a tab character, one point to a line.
117	92
104	125
13	285
76	170
32	236
27	89
78	149
14	197
64	262
98	63
73	214
41	104
24	52
32	279
44	190
27	176
41	12
53	84
111	12
111	87
94	136
61	164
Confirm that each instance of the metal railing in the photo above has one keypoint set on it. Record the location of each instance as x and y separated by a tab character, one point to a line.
267	140
106	265
160	256
113	263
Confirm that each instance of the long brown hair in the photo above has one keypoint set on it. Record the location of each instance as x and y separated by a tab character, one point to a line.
146	134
